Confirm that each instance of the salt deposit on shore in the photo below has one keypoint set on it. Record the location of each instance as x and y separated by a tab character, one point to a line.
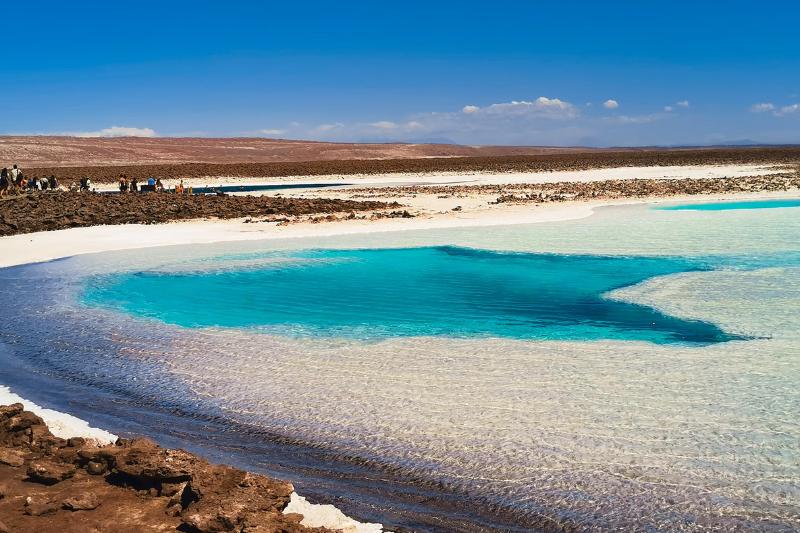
46	246
61	424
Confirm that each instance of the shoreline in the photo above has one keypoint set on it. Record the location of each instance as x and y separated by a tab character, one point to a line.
66	426
43	246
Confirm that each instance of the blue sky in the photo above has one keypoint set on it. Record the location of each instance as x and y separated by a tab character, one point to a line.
501	72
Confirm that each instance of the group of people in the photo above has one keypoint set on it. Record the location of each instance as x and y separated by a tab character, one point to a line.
14	181
132	185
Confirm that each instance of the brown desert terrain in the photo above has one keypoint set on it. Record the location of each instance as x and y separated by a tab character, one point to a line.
57	151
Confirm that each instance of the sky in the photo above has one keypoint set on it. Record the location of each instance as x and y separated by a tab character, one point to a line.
591	73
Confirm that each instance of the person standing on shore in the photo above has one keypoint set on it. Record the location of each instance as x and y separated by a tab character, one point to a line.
5	182
16	177
123	183
134	184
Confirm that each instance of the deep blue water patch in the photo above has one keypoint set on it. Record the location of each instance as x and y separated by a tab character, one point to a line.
380	293
726	206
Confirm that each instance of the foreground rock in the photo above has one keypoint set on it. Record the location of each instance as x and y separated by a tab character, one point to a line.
70	486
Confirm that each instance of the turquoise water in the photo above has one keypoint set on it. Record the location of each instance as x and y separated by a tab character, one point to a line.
378	293
725	206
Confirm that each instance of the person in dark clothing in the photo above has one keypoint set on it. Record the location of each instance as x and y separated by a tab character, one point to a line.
5	182
134	185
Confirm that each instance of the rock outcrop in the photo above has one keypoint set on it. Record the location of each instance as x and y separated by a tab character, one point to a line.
72	485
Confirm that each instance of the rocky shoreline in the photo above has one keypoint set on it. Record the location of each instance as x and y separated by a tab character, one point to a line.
45	211
74	485
595	190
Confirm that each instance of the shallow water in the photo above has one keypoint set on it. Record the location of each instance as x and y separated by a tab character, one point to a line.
373	294
439	431
725	206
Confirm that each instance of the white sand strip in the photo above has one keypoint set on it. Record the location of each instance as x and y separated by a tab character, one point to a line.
60	424
315	515
49	245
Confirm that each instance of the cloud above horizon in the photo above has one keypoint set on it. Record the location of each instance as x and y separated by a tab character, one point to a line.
769	107
540	121
682	103
789	109
762	107
543	106
116	131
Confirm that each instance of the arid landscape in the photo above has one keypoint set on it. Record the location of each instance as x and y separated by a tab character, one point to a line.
39	151
103	160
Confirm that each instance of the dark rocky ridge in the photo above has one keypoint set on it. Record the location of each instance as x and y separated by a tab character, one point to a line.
598	190
59	210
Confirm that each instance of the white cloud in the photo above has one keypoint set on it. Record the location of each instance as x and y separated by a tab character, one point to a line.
117	131
271	132
635	119
384	125
329	127
778	112
611	104
788	109
683	103
541	107
762	107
